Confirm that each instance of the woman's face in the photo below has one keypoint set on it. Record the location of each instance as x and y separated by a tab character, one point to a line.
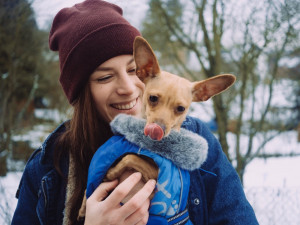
116	89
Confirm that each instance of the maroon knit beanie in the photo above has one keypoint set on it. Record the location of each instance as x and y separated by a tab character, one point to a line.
86	35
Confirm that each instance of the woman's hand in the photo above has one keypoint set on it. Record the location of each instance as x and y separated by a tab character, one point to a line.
109	211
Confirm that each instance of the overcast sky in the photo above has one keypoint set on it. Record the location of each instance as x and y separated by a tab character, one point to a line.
134	10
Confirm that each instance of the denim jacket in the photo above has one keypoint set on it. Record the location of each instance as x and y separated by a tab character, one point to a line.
212	199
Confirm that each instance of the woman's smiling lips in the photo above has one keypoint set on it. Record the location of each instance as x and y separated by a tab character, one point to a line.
126	106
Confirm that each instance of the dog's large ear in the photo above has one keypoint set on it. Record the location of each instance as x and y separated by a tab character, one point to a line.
203	90
146	63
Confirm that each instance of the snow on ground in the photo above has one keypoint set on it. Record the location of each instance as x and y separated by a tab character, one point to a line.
272	186
8	202
275	172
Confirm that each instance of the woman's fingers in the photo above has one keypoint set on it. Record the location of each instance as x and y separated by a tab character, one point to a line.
103	190
140	216
96	212
140	199
123	189
109	211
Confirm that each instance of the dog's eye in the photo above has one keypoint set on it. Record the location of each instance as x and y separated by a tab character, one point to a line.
180	109
153	98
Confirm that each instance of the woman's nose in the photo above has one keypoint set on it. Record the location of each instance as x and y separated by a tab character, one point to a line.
126	84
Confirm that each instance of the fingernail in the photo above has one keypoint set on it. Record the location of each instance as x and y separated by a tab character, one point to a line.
153	182
137	174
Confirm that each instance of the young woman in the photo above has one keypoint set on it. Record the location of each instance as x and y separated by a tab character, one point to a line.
98	77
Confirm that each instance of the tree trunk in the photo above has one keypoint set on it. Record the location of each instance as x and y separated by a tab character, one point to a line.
3	164
221	114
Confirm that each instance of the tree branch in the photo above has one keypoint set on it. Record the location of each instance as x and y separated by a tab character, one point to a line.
277	155
207	43
181	36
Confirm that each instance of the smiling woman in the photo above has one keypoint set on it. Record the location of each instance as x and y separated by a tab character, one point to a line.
116	89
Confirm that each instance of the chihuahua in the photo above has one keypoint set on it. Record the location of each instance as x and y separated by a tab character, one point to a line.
166	101
167	97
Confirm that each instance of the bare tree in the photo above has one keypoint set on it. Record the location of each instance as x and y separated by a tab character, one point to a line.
222	37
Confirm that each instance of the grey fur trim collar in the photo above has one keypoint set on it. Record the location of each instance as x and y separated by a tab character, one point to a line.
185	149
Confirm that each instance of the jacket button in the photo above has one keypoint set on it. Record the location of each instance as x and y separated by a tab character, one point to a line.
196	201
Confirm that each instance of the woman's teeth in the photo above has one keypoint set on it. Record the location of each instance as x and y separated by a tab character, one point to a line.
125	106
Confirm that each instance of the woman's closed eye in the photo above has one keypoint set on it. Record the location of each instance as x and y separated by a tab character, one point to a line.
131	71
103	79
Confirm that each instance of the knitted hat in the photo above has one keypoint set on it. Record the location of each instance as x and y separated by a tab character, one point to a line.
86	35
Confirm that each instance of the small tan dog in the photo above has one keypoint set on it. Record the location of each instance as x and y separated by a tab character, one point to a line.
166	100
167	97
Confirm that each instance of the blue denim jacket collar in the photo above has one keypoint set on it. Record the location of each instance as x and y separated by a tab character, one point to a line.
45	147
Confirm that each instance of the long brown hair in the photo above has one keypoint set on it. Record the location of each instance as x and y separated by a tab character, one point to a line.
85	132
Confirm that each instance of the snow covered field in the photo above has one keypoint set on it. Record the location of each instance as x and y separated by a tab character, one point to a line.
273	186
8	202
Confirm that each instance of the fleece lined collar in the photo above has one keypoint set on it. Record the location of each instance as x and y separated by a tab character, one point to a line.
185	149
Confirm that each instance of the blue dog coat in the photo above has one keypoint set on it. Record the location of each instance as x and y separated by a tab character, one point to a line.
174	155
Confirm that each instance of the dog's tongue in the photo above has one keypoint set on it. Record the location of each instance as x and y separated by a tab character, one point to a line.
154	131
